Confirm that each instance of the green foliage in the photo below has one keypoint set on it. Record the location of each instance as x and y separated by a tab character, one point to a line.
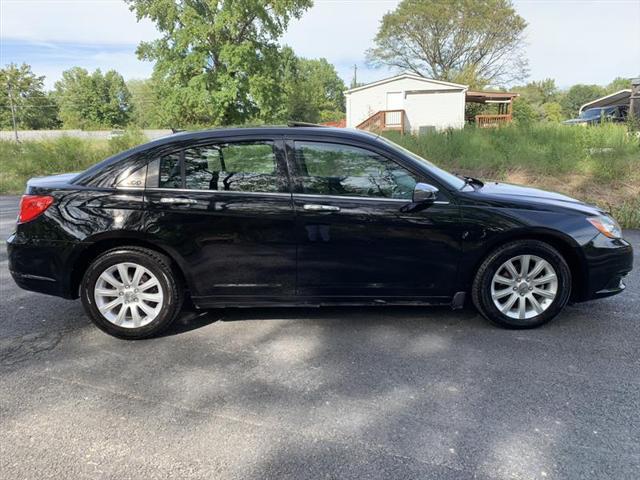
617	84
476	42
313	90
23	91
21	161
217	63
539	92
523	112
552	111
94	100
144	103
578	95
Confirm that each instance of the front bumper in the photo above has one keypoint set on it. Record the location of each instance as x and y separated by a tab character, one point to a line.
608	262
40	265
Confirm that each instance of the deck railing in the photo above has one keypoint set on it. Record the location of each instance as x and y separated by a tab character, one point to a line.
484	121
384	120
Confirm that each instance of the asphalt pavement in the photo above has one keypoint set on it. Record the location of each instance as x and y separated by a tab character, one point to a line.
380	393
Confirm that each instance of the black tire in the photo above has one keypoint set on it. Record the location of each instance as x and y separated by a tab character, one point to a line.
156	263
481	289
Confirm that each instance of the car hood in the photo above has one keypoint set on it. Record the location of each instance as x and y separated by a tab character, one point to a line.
515	193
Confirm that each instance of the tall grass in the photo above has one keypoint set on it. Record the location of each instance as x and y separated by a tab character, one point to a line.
21	161
606	152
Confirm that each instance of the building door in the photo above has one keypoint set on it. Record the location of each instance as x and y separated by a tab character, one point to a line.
395	100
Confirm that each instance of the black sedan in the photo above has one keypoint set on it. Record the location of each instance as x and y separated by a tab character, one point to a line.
298	215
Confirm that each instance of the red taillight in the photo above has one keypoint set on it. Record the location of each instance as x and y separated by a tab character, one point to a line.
33	205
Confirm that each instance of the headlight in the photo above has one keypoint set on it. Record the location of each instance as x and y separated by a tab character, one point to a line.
606	225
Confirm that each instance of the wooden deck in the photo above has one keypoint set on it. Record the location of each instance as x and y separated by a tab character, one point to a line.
384	121
485	121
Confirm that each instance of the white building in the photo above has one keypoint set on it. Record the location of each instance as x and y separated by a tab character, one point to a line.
406	102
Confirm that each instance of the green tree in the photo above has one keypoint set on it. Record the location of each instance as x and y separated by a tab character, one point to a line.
94	100
478	41
539	92
552	111
524	112
145	103
577	96
617	84
217	61
23	101
313	91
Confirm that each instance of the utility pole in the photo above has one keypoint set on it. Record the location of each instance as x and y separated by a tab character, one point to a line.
354	82
13	110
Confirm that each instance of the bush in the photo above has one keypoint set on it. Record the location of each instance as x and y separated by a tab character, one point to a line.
21	161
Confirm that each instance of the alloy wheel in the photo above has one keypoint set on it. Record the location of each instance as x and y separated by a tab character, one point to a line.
524	287
128	295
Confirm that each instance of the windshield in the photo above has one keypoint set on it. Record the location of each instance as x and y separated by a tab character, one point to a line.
594	112
449	178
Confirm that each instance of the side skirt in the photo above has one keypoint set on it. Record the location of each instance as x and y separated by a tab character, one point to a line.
248	302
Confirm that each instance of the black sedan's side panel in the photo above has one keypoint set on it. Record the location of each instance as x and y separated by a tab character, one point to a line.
230	243
371	248
376	245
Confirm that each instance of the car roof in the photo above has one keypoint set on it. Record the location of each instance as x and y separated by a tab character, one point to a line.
295	129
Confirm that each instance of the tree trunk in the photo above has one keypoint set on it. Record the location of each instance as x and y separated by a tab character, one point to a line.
13	114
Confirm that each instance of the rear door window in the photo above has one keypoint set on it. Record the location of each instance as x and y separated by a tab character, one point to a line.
228	167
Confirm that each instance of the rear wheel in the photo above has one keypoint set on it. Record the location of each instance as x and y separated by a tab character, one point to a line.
131	292
523	284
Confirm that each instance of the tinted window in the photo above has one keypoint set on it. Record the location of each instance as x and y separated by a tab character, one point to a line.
332	169
241	167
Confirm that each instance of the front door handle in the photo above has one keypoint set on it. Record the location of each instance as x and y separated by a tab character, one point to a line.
320	208
178	201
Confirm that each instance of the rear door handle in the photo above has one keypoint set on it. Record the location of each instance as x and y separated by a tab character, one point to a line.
320	208
178	201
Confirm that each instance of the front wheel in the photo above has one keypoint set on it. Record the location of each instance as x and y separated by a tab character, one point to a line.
523	284
131	292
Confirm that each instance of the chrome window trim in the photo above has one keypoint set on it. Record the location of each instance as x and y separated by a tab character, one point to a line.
370	199
294	195
215	192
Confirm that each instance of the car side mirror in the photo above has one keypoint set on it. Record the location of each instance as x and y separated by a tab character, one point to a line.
423	193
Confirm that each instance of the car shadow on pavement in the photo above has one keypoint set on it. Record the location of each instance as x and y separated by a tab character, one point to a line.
191	319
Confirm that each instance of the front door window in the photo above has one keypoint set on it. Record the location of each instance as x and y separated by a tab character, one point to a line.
345	170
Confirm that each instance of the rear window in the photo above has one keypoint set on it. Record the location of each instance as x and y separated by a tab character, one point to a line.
232	167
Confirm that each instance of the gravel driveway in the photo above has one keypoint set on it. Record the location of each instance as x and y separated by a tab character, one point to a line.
319	393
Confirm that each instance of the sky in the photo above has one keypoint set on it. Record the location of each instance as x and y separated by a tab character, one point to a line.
568	40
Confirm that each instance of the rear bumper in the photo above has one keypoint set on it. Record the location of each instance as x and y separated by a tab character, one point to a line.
608	262
40	265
